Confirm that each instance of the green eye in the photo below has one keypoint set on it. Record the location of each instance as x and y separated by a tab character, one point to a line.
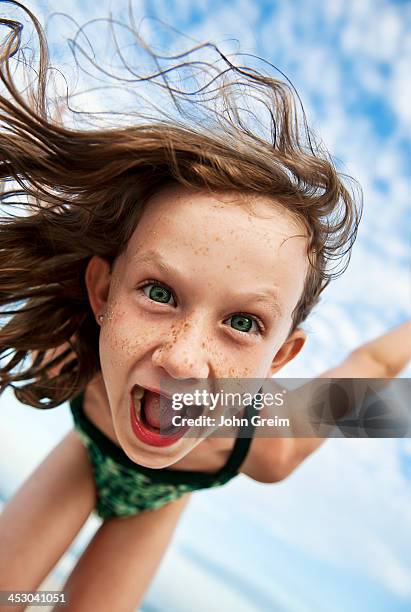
158	293
161	294
243	322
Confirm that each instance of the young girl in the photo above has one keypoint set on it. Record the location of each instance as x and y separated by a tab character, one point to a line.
144	255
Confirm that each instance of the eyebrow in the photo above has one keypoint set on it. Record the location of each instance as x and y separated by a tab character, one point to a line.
153	257
267	296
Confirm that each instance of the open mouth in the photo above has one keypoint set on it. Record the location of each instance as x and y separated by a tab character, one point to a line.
152	418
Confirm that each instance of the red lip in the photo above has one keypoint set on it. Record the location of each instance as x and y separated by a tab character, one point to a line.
152	437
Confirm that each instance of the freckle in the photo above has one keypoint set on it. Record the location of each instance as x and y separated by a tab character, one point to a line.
228	266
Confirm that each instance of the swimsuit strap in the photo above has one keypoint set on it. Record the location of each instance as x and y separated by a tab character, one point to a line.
242	443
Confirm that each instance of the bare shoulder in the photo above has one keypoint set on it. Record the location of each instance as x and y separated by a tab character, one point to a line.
269	458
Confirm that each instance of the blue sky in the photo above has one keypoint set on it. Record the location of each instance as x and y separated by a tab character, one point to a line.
336	534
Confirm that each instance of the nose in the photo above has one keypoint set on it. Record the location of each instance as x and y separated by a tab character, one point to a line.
183	354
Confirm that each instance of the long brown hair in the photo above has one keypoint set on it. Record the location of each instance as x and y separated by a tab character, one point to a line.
85	190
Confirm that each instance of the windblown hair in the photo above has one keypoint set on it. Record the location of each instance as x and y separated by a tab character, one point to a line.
85	191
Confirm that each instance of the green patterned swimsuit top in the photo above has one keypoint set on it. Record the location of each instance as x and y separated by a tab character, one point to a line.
124	488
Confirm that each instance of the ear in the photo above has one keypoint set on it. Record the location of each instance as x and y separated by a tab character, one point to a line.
97	279
291	347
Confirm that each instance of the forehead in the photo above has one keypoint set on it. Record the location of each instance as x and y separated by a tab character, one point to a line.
195	217
224	235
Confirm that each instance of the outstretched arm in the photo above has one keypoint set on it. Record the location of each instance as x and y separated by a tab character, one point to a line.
384	357
274	458
387	355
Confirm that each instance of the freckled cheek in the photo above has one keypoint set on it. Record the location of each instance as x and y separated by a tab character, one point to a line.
252	363
124	337
229	364
242	370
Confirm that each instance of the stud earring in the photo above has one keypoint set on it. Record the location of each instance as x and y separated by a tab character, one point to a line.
100	318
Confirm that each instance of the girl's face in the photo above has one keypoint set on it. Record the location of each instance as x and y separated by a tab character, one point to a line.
173	300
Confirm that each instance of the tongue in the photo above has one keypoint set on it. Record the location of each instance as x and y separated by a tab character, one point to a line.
153	410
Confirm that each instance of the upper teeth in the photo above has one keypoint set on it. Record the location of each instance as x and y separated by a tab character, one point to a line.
138	392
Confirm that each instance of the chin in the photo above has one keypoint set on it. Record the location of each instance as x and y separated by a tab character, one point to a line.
151	457
154	462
